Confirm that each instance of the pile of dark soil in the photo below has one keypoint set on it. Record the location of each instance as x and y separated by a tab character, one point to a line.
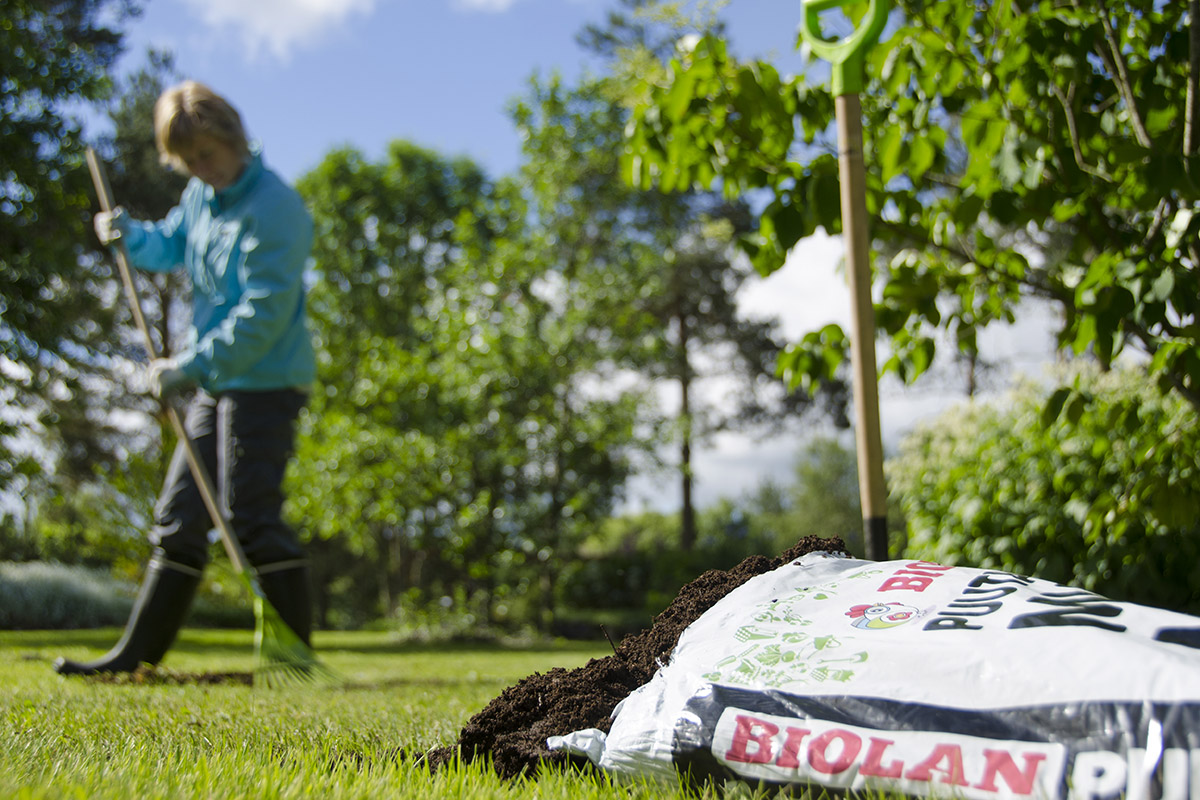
513	728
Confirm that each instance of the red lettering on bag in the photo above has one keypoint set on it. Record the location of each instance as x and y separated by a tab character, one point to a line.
915	577
818	751
790	757
751	730
952	768
1001	763
873	763
912	583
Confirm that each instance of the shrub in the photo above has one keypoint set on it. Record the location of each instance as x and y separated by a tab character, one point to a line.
45	595
634	566
449	619
1096	485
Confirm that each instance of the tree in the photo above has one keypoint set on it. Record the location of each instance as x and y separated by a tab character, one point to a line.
823	498
55	304
384	233
552	443
453	438
657	270
996	134
146	189
107	497
369	467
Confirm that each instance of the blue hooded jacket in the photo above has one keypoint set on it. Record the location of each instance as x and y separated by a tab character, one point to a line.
245	249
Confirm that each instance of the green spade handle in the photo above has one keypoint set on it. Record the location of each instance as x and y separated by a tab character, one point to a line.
846	55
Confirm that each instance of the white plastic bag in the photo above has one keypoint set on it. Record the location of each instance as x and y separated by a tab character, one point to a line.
921	679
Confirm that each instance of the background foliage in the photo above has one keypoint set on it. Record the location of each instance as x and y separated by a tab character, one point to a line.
1105	496
1014	149
56	304
493	350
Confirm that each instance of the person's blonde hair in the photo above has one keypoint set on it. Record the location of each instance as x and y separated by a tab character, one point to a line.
188	110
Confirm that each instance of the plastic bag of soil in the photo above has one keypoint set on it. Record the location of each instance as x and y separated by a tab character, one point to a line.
920	679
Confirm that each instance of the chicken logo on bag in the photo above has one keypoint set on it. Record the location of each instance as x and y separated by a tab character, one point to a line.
881	615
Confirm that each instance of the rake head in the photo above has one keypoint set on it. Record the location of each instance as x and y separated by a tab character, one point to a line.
284	660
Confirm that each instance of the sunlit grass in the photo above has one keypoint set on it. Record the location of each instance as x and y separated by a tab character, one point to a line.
77	738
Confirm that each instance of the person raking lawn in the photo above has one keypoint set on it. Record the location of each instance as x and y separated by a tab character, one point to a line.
243	236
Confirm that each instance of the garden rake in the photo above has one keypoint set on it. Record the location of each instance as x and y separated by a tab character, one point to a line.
283	658
846	58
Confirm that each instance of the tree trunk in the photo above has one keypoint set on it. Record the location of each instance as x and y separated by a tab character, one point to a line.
383	572
1193	95
687	519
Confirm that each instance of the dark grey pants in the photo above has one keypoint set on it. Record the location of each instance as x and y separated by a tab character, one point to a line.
245	440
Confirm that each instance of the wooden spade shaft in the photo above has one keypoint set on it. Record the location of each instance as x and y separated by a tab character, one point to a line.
869	445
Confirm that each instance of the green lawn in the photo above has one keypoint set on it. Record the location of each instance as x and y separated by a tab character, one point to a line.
80	738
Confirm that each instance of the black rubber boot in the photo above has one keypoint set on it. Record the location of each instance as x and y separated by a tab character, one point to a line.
158	613
289	591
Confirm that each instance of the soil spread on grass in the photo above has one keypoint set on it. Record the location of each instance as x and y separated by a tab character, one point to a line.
512	729
156	676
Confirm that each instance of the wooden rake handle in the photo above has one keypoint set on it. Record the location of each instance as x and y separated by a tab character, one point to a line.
203	481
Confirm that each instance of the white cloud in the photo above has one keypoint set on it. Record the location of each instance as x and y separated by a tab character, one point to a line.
807	293
498	6
493	6
277	26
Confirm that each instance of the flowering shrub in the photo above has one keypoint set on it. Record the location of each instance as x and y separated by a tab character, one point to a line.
1096	485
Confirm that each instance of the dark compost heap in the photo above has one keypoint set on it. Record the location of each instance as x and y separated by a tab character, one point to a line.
513	728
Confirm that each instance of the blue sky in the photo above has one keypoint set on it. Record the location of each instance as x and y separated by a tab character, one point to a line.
311	75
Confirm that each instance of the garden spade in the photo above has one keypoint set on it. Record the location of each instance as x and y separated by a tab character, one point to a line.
846	57
283	657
